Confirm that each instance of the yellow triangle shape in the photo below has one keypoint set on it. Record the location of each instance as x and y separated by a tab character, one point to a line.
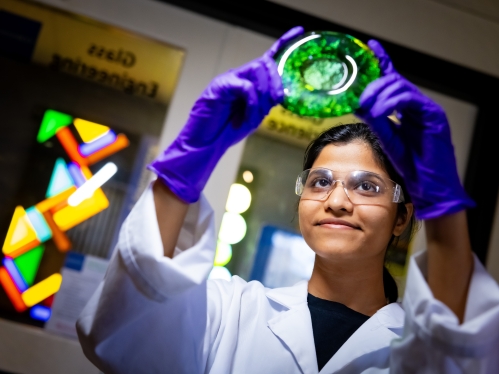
20	234
89	131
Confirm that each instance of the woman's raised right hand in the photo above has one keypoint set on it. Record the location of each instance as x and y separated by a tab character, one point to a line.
228	110
420	146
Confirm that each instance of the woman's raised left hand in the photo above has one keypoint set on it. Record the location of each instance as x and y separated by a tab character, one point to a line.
420	146
228	110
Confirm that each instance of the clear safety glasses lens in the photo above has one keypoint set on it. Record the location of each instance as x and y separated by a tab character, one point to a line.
361	187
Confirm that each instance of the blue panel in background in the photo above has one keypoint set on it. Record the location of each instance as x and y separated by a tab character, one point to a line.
18	36
74	261
263	253
283	258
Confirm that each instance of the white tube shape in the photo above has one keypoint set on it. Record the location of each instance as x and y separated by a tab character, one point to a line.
88	188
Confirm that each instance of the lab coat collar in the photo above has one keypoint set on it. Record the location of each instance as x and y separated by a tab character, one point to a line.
294	326
369	345
289	296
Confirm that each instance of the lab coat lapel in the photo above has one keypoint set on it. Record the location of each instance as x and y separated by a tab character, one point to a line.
294	326
369	346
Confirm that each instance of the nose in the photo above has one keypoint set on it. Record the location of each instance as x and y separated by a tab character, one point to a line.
338	198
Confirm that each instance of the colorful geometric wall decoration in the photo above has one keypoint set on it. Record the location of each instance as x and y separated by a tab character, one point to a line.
21	235
90	131
40	312
87	149
73	195
76	174
51	122
42	290
11	290
27	263
41	227
14	274
70	216
61	179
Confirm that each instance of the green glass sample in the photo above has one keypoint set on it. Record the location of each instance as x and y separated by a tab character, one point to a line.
324	73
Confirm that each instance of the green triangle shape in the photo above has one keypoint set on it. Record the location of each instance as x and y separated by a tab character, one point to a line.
60	180
51	122
28	263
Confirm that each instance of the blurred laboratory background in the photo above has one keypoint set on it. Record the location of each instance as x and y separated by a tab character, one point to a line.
91	90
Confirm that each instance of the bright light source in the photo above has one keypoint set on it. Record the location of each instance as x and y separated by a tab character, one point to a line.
219	272
223	254
239	199
248	176
232	229
88	188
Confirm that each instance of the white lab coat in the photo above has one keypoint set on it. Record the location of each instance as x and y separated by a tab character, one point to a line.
153	314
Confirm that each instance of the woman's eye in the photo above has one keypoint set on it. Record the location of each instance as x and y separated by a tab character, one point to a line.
321	183
367	186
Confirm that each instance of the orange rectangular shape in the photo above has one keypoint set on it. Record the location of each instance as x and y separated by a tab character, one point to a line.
60	238
12	291
59	206
18	252
54	201
70	145
120	143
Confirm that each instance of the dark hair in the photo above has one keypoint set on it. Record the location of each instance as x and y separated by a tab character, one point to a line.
344	134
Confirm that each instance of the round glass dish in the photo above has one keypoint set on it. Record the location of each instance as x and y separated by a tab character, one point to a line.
324	73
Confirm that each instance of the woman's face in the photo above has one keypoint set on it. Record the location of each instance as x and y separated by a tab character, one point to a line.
339	230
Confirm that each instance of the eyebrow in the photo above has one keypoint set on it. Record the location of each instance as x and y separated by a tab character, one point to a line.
377	176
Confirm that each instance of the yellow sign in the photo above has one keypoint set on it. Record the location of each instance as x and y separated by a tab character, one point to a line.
289	127
106	55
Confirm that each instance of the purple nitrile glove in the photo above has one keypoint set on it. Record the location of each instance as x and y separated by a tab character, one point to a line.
228	110
420	147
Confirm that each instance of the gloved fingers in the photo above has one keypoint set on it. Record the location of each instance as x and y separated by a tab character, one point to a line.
255	116
263	74
385	62
289	35
394	89
258	73
406	100
256	110
369	96
388	134
242	93
275	81
383	100
256	107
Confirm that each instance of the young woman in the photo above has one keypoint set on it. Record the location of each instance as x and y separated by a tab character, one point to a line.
155	312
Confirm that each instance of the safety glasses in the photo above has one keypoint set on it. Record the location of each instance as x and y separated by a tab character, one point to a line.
361	187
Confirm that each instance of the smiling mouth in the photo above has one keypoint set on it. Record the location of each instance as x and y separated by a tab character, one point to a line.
337	224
